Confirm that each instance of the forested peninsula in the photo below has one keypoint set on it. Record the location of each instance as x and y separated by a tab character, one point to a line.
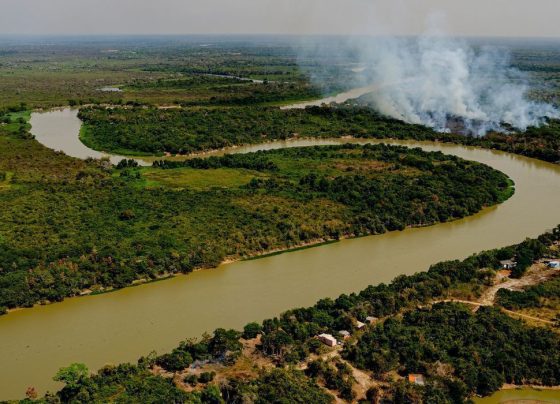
85	226
147	129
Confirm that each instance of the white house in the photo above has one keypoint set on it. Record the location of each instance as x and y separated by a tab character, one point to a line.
360	325
554	264
344	334
417	379
508	264
371	320
327	339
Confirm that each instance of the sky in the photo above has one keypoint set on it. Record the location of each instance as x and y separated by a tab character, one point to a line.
519	18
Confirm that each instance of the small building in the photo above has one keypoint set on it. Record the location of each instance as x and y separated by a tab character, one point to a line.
508	264
554	264
327	339
360	325
371	320
416	379
344	334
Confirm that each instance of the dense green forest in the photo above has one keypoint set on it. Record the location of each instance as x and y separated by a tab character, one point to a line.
197	129
542	143
459	352
190	130
137	384
484	350
84	225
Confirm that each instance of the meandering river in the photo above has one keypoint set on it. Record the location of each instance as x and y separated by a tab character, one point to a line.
123	325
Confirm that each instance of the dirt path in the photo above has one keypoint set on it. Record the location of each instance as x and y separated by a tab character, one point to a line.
538	273
478	304
363	380
514	313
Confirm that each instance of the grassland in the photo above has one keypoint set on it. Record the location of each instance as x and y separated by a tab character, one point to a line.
43	75
198	179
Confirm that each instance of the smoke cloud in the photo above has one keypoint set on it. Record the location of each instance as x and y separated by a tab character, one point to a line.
434	80
442	82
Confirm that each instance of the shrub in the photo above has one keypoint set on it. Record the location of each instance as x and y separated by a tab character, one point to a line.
251	330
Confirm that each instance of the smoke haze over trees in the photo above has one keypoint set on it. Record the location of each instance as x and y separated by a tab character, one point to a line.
443	82
433	79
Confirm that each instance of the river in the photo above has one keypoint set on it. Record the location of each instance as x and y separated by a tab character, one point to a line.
123	325
339	98
522	396
58	130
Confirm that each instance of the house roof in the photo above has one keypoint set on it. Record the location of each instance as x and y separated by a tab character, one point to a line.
504	262
325	336
416	378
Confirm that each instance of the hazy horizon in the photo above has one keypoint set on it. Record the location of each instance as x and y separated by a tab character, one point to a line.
477	18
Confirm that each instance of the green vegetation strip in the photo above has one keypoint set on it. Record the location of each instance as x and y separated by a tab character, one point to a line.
142	130
182	131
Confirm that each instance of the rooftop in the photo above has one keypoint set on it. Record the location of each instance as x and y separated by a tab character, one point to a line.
416	379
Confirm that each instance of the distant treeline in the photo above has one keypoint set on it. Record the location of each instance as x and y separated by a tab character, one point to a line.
254	161
211	89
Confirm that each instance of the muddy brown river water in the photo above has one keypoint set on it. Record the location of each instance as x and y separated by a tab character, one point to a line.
123	325
522	396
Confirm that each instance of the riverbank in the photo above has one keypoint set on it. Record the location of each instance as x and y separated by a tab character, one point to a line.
165	276
417	311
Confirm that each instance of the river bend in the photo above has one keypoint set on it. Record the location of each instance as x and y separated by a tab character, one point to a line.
123	325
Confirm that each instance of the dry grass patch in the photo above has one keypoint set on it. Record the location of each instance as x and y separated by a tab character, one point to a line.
198	179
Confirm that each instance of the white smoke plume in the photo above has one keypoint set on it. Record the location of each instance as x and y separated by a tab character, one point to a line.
436	80
432	79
